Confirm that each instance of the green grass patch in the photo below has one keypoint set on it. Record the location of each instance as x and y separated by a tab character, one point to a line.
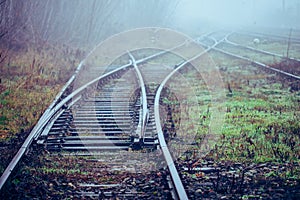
262	119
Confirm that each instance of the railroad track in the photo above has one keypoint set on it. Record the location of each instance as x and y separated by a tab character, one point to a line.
257	57
276	37
113	125
282	56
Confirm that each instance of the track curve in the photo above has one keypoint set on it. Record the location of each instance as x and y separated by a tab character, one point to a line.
69	122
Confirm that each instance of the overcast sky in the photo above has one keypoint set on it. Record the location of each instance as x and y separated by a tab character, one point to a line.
239	12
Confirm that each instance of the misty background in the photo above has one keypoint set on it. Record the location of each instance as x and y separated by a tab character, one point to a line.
85	23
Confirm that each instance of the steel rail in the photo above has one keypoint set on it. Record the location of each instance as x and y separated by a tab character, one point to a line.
180	191
47	128
258	63
55	106
39	127
254	62
145	111
293	39
58	96
258	50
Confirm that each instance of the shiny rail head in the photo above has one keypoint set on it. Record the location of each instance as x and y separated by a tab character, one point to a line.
94	67
163	40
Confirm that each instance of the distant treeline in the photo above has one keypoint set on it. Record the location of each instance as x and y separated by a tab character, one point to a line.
78	22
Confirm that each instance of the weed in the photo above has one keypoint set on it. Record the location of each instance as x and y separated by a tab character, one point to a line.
32	79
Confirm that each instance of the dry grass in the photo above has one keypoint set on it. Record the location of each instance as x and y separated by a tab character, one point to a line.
30	78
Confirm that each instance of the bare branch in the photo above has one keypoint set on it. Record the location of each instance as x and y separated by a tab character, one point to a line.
2	2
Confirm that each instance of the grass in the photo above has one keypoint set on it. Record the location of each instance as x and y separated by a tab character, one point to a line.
260	131
262	118
30	79
23	110
267	44
261	122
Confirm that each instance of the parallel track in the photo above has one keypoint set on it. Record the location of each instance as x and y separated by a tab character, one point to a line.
273	36
238	47
259	50
104	117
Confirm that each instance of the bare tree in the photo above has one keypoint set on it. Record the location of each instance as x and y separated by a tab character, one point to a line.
79	22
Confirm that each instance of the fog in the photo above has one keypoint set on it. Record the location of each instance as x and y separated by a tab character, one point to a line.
240	13
84	23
